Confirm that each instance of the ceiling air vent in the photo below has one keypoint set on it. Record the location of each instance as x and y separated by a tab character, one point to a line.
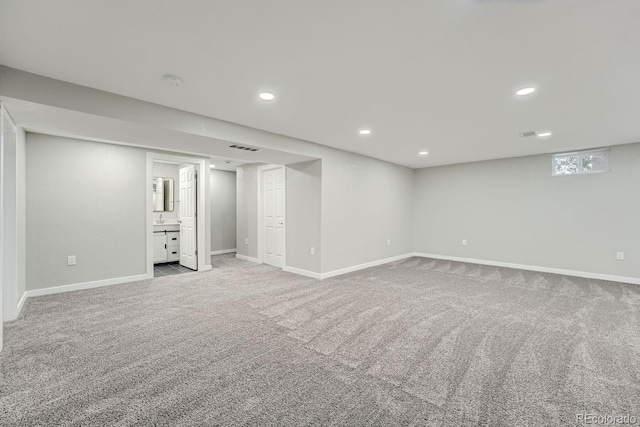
241	147
528	134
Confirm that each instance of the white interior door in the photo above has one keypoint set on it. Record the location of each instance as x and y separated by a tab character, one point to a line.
274	216
188	239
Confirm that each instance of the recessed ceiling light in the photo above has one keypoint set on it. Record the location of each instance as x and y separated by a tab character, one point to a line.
266	96
213	166
543	133
172	80
364	131
423	153
525	91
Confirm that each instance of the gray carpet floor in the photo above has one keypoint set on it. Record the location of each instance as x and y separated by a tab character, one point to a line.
417	342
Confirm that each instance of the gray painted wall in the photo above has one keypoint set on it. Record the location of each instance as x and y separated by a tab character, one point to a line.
365	202
223	210
514	211
303	215
86	199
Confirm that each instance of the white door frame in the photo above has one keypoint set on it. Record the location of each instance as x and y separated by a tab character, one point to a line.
260	242
185	256
202	168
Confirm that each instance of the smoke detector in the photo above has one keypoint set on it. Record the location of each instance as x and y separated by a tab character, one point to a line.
539	134
172	80
528	134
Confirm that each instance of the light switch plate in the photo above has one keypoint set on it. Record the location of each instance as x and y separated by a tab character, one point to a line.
71	260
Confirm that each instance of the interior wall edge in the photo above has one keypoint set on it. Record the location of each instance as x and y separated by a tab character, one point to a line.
23	298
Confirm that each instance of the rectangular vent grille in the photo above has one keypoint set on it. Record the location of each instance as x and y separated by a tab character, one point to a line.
240	147
527	134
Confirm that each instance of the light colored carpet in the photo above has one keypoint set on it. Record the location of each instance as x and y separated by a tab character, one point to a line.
416	342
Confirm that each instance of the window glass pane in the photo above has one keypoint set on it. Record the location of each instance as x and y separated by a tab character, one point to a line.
595	162
566	165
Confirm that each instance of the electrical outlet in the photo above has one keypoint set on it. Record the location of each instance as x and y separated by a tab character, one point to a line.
620	256
464	242
246	241
313	250
71	260
388	242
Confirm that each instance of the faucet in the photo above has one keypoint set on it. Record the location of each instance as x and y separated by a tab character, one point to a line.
161	221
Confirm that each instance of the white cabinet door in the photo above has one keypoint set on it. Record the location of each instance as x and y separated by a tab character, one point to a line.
159	247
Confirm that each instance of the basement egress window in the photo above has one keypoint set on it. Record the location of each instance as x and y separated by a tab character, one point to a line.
581	162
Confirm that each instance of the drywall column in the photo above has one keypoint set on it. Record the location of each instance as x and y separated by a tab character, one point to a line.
10	296
21	215
247	211
303	216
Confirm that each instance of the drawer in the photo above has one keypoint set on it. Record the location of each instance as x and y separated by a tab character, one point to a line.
173	253
173	238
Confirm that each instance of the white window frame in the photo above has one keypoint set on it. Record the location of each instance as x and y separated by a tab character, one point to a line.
580	155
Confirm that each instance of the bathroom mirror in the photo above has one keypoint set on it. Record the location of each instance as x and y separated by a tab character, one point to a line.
162	194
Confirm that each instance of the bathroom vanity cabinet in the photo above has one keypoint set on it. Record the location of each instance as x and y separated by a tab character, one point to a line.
166	243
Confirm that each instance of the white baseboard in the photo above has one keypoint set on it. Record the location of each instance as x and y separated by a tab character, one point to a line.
21	303
87	285
363	266
585	274
224	251
247	258
302	272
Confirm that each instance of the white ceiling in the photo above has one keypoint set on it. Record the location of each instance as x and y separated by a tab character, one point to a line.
436	75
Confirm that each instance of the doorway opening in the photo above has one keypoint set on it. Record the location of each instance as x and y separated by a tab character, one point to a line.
176	213
223	208
272	215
